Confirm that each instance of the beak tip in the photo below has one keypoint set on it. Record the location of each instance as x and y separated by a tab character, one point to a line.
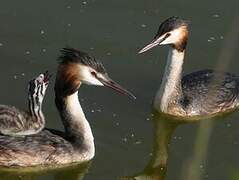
133	97
140	51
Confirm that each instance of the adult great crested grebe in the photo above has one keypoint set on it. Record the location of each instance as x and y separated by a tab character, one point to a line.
51	147
15	122
201	93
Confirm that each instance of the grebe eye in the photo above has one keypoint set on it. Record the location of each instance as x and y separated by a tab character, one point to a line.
167	35
93	73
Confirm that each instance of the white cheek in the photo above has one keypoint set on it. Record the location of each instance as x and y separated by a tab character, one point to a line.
92	81
173	38
88	78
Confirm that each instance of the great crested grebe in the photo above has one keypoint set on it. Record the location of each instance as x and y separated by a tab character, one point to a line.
201	93
51	147
15	122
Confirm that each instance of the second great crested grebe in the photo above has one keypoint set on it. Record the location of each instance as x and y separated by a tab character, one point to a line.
201	93
15	122
76	144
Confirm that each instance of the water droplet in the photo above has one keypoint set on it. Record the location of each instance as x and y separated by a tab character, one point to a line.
27	52
212	38
138	142
143	25
43	50
124	139
216	15
84	2
99	110
229	125
1	44
235	143
42	32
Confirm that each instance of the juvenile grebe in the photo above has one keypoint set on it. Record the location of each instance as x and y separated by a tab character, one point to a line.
15	122
51	147
201	93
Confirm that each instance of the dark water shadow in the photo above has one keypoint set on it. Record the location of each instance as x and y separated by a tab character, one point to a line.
72	172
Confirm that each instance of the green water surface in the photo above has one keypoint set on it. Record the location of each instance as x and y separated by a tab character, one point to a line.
31	34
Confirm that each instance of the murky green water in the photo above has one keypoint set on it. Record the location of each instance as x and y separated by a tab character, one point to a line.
31	34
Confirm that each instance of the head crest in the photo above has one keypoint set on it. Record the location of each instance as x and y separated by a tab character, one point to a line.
71	55
170	24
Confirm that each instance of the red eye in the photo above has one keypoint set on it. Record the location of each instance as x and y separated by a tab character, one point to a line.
93	73
167	35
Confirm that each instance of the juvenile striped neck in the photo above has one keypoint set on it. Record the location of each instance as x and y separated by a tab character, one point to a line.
35	107
170	89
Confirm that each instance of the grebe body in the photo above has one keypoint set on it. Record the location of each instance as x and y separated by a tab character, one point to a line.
15	122
199	94
76	144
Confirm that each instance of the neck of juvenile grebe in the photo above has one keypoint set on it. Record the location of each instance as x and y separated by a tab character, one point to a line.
77	128
35	109
170	90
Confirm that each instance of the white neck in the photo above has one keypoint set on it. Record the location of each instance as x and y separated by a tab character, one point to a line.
171	83
78	126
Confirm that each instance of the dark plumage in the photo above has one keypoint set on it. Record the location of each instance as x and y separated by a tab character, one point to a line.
209	92
71	55
170	24
43	148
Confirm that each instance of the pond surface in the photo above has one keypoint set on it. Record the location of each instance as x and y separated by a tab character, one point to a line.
31	34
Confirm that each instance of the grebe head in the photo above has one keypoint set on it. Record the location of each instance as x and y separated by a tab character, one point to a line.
78	67
37	87
173	31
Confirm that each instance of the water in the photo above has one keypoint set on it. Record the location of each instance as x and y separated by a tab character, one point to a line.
31	34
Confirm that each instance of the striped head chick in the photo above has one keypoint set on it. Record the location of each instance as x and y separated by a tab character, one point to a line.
36	91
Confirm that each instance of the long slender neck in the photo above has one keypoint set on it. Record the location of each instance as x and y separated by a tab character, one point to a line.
35	109
77	128
170	89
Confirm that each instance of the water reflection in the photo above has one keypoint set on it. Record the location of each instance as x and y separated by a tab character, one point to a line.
157	167
72	172
164	127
